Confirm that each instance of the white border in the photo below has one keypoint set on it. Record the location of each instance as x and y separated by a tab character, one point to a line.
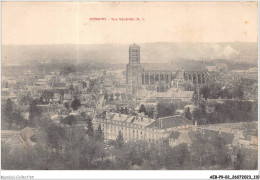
129	174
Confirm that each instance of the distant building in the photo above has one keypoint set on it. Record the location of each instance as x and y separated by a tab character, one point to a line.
159	76
140	127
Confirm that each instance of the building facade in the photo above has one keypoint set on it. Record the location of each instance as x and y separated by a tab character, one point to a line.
160	76
140	127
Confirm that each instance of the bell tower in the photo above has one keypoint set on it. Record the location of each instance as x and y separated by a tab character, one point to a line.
134	70
134	54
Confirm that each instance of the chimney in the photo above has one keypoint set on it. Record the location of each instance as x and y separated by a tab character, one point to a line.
219	130
119	114
160	123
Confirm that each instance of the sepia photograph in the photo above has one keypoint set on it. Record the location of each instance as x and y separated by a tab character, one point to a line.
129	86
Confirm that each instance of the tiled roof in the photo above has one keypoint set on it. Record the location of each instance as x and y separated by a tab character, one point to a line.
130	119
16	140
169	122
174	135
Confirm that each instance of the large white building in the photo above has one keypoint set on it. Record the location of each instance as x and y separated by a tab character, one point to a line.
140	127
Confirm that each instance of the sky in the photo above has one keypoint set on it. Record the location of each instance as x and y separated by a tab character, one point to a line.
29	23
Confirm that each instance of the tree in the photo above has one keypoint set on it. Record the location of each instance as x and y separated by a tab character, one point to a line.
111	97
84	84
56	136
67	69
198	116
19	119
8	113
6	84
67	105
46	96
149	111
34	113
26	99
71	88
61	96
90	130
238	92
117	96
188	114
70	120
205	92
195	97
106	97
99	134
165	109
123	96
75	104
142	109
119	141
240	160
177	157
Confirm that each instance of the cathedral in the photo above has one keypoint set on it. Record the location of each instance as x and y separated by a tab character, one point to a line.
160	76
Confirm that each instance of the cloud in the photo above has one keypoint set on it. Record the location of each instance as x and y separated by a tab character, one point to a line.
228	51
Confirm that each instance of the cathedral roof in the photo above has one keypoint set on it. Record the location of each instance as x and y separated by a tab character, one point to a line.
170	122
159	67
172	67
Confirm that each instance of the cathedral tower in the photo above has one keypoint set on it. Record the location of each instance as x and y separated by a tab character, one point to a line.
133	70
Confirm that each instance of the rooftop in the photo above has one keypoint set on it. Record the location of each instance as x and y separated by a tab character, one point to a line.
138	120
170	122
172	67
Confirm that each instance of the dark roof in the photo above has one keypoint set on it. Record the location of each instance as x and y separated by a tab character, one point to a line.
174	135
169	122
228	137
248	82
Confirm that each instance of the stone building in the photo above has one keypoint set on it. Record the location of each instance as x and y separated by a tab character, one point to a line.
160	76
140	127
